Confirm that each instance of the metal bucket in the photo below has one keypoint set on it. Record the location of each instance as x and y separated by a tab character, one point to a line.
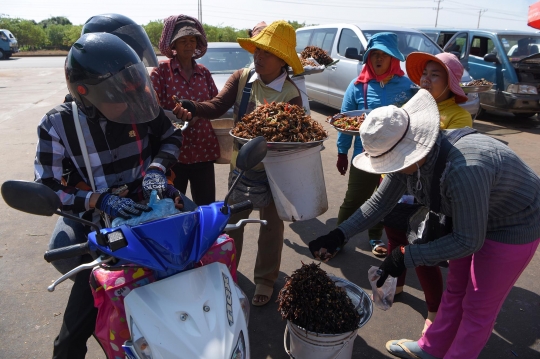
309	345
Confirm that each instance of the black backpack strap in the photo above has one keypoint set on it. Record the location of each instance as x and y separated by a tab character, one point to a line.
446	145
246	93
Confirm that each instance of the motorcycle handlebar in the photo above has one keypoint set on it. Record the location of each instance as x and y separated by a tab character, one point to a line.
242	206
66	252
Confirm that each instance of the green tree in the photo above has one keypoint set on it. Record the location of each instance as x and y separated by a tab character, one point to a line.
30	35
153	30
72	34
55	35
57	20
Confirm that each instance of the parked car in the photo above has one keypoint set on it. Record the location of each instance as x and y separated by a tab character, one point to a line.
347	42
509	59
224	58
8	44
440	35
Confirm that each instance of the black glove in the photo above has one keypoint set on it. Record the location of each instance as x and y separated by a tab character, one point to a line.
188	105
393	264
119	207
154	179
332	242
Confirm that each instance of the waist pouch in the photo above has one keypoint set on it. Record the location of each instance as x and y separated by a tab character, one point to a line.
253	186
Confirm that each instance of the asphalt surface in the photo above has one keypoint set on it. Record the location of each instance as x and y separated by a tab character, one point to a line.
30	317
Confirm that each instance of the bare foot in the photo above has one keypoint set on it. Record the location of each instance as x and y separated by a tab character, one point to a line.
260	298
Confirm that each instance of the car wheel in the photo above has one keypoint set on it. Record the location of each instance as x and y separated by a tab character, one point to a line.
524	115
2	55
481	112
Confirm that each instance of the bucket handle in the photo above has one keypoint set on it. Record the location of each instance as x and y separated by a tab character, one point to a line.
285	342
292	356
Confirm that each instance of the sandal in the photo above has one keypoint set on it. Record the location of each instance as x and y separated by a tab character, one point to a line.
378	244
263	291
408	349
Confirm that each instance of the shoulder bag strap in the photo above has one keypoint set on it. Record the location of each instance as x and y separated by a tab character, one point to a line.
446	146
82	145
365	95
86	158
246	93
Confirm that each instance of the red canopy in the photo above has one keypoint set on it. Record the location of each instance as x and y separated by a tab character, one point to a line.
534	15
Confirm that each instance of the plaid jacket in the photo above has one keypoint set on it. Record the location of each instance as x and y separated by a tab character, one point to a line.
119	154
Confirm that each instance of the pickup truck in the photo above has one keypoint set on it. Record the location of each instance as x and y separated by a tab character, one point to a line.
8	44
509	59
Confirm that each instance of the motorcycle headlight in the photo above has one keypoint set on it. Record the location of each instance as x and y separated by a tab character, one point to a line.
522	89
137	347
244	302
239	351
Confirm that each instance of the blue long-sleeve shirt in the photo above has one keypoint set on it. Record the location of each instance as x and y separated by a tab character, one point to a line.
396	92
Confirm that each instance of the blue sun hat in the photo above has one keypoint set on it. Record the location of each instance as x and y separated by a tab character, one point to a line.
384	41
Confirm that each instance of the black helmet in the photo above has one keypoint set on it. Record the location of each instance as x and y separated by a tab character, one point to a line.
104	74
126	29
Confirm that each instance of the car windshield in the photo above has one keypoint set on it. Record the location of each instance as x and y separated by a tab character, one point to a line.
520	46
410	41
225	60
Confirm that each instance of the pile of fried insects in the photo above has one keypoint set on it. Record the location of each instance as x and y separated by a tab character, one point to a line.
312	301
280	122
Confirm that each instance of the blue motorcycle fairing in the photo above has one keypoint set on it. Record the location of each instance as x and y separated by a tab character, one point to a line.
173	242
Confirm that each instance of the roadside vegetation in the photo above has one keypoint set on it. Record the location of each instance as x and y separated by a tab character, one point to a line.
56	34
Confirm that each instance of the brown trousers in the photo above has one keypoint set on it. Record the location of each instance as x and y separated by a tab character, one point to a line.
270	244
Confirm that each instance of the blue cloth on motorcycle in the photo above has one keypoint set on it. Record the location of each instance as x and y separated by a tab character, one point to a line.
160	208
384	41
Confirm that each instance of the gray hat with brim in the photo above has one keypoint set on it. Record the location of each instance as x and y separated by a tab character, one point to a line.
185	28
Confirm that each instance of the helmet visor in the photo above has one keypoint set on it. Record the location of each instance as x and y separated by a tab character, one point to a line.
135	36
127	97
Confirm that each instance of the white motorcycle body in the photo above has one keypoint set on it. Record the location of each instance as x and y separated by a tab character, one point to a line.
197	314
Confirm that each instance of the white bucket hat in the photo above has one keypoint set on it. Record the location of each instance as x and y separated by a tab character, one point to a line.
396	138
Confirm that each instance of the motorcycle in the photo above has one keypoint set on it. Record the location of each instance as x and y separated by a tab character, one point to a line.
189	312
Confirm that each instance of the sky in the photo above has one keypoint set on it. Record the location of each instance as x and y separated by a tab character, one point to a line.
243	14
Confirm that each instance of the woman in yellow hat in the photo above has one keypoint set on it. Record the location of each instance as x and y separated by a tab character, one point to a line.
274	51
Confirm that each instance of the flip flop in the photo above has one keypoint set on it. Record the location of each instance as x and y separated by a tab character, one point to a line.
377	243
400	349
262	290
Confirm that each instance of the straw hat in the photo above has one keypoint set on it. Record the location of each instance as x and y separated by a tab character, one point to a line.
279	39
416	63
396	138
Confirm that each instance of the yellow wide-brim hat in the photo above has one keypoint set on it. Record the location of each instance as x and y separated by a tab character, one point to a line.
278	38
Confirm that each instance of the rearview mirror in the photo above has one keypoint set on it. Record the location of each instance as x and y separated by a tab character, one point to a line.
251	154
491	58
352	53
30	197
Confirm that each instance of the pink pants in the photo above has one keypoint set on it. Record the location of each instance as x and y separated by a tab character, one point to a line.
476	287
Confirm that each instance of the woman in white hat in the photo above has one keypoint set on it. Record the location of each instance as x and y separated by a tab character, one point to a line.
493	198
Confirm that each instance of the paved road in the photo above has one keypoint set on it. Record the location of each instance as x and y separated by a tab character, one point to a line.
30	317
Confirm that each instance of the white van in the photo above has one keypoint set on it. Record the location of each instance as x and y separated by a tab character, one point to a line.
8	44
